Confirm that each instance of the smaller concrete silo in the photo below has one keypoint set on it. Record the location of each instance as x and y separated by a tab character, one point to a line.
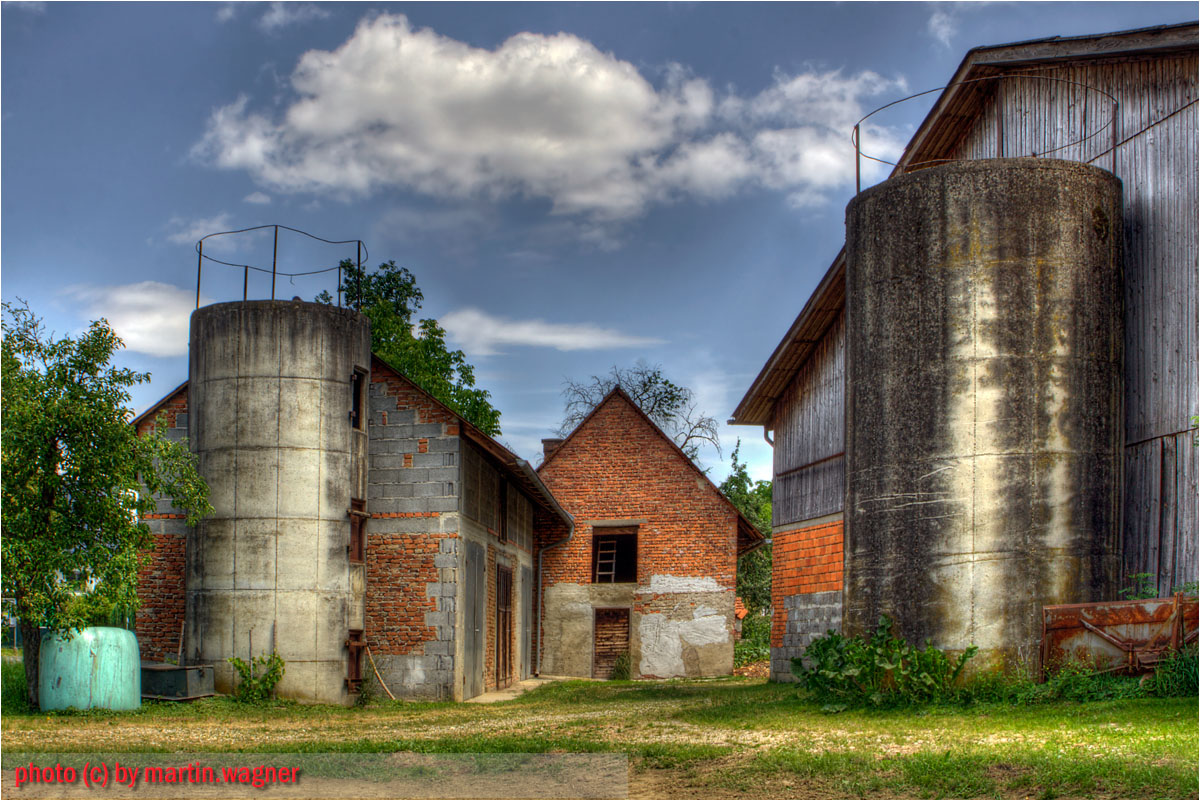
273	392
984	401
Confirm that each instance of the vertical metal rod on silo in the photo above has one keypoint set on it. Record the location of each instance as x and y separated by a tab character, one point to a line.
245	280
857	162
999	123
274	256
1114	137
199	265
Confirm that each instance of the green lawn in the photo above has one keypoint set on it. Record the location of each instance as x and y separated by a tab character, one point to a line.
717	738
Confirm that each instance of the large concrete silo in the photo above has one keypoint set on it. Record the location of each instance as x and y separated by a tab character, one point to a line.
984	402
272	392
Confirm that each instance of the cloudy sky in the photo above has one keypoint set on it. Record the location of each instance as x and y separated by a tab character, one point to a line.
574	186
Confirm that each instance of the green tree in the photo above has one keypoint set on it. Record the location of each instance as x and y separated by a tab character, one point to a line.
77	480
753	500
389	297
668	404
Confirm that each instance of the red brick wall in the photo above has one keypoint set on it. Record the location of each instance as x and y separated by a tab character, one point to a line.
409	397
617	466
160	588
170	407
806	560
161	580
399	566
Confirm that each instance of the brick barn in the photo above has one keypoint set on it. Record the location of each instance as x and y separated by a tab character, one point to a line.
433	569
650	567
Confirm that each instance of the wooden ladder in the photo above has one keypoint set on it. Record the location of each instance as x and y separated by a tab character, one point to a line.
606	560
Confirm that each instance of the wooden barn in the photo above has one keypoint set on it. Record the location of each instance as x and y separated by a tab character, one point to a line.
1048	98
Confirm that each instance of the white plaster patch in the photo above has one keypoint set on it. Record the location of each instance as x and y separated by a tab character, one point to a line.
662	652
667	584
706	630
663	640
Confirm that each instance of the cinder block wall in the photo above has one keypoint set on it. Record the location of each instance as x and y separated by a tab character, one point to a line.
806	591
159	620
617	466
412	538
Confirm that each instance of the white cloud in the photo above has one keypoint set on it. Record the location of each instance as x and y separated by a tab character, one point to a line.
281	15
150	316
31	6
226	12
942	26
258	198
546	117
188	232
481	334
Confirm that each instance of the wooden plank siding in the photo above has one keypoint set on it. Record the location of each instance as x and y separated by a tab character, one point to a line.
810	434
1157	163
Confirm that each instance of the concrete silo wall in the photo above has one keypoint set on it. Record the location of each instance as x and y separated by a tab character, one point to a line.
270	396
983	436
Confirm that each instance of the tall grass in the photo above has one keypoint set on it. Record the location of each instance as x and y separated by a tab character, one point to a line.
13	700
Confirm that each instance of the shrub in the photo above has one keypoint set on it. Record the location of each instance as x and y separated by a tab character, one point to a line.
1176	676
879	670
755	644
621	668
258	677
1145	585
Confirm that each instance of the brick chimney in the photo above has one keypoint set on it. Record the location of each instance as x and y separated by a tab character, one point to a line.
549	446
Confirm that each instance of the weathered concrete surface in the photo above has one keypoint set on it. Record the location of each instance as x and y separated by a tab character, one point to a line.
568	621
808	616
675	631
983	440
269	397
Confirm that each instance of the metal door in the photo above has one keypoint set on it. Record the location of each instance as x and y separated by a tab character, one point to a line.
504	578
526	621
474	619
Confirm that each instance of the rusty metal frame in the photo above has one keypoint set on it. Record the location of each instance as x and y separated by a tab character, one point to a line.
1143	632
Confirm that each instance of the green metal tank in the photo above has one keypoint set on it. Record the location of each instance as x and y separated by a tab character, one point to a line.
98	668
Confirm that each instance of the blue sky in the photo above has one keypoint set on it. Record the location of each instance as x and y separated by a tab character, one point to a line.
574	185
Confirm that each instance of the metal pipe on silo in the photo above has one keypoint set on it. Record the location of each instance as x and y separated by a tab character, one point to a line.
984	401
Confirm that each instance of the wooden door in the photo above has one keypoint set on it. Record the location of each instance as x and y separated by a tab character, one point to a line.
526	622
475	619
611	640
504	577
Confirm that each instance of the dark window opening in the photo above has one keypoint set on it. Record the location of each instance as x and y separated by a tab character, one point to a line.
358	383
614	555
355	645
358	534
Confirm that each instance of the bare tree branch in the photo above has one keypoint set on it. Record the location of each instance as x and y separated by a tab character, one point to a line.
672	407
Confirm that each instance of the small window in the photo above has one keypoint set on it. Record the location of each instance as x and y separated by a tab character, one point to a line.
358	385
614	555
355	644
358	518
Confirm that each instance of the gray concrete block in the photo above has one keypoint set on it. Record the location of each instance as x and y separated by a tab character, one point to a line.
444	445
448	545
446	503
385	461
181	421
428	459
427	430
429	489
445	560
443	474
439	648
